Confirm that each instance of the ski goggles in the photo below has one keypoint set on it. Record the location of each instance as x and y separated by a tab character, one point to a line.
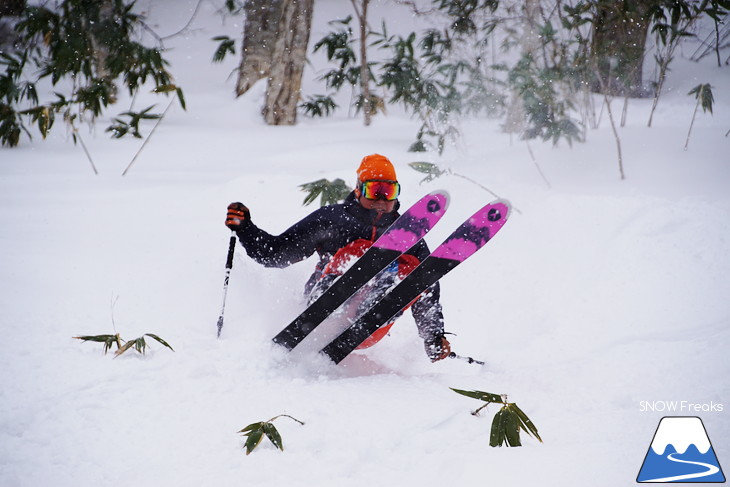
375	189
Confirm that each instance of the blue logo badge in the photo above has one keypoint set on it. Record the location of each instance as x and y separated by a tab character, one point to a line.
681	452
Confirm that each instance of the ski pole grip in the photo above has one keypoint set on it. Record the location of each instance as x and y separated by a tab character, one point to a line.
231	250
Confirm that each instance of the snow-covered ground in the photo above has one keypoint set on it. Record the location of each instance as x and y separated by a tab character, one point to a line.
598	295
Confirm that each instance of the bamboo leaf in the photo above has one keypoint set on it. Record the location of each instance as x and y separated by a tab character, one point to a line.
273	434
703	94
496	436
511	427
181	98
138	344
330	192
431	170
164	88
254	438
95	338
425	167
318	105
706	98
252	427
482	396
505	430
525	422
107	340
256	431
226	45
418	146
151	335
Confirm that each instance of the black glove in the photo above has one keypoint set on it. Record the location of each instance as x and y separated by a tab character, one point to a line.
438	348
238	216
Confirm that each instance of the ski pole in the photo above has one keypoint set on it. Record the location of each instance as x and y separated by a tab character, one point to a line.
229	266
466	359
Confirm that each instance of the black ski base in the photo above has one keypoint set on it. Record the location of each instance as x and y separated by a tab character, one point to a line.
431	270
344	287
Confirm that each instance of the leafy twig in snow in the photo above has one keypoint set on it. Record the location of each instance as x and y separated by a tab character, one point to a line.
255	432
507	422
703	93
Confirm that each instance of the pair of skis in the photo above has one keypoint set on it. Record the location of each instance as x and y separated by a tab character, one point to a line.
403	234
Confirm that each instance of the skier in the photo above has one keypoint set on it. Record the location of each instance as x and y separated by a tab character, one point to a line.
365	214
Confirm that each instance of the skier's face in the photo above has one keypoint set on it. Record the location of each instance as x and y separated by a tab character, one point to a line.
380	205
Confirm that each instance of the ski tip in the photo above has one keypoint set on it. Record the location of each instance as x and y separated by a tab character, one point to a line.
508	205
505	204
439	191
443	196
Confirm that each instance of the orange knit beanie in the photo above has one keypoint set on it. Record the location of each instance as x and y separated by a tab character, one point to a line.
376	166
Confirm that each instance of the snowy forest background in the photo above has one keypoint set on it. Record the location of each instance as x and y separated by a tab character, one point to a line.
126	129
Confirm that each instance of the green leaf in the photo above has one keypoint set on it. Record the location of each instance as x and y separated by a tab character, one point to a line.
525	423
167	88
120	128
496	436
331	192
273	434
703	93
138	343
142	115
252	427
427	168
159	340
254	438
107	340
318	105
482	396
181	98
505	429
255	433
418	146
95	338
226	46
511	428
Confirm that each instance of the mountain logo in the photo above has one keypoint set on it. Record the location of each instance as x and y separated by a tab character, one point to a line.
681	452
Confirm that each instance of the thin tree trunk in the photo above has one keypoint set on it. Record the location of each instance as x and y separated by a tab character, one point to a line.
534	160
362	16
287	66
691	124
663	68
625	111
717	44
615	134
260	32
515	120
100	50
607	101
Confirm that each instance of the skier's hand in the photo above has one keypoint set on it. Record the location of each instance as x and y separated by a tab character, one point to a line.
438	349
238	216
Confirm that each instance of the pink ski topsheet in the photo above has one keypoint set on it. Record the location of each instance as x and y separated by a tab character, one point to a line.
415	223
475	232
